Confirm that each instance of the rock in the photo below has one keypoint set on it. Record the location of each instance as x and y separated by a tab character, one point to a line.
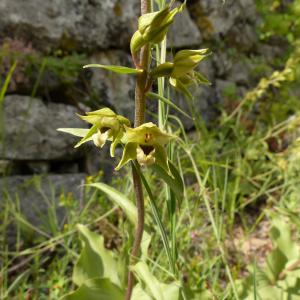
245	42
114	90
222	63
184	32
38	197
5	165
30	130
202	106
228	91
216	19
70	24
99	160
38	167
272	52
240	72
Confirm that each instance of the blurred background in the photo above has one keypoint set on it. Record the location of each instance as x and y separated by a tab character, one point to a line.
254	71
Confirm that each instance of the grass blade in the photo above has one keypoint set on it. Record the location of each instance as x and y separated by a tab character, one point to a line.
151	95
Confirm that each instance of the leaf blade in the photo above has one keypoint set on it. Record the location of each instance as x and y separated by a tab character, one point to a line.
118	199
115	69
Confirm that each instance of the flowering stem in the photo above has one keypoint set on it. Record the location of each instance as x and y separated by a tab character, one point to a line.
140	107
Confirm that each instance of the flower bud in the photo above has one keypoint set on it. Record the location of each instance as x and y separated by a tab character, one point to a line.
153	27
186	61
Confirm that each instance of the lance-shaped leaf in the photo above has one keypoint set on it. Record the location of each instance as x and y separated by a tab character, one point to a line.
96	289
94	261
115	69
153	27
145	144
80	132
151	95
156	289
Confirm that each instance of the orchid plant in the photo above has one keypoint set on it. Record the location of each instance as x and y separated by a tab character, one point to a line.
144	144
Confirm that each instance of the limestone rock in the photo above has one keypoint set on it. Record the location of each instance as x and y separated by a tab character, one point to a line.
217	20
30	130
114	90
70	24
38	195
184	32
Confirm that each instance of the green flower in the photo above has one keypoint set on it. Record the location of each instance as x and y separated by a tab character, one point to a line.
106	126
146	145
181	71
153	27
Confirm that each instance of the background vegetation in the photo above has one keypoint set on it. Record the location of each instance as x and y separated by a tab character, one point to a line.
234	234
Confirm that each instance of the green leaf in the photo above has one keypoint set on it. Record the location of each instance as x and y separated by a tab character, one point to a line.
7	81
119	199
275	264
143	273
161	158
175	182
81	132
116	69
96	289
269	293
158	290
156	216
94	260
129	209
139	293
170	291
168	102
281	236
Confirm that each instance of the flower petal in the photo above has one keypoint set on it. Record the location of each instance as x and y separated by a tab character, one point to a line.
129	153
88	136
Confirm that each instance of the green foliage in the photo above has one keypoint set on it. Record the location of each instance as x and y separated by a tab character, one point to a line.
96	289
119	199
96	274
280	19
116	69
280	279
233	176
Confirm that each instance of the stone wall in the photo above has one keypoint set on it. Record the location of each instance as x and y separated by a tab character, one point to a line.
40	101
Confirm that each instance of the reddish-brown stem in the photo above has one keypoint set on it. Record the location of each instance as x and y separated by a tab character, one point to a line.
139	119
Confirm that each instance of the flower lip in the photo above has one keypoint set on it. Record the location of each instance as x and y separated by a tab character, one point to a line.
147	149
104	129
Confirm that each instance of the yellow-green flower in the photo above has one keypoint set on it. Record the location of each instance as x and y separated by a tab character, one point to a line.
106	126
146	145
153	27
181	71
